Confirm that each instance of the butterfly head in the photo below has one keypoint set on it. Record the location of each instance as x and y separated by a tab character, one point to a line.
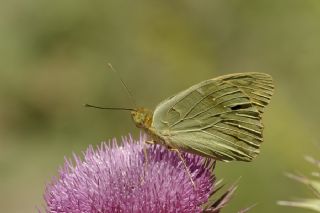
142	117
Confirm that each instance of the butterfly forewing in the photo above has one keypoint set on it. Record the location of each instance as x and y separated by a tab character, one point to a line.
218	118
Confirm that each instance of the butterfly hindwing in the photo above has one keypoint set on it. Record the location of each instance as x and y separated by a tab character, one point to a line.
218	118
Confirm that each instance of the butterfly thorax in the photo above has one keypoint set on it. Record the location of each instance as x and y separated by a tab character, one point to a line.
142	118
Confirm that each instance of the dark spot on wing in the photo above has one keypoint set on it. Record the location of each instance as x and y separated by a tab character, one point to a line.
241	106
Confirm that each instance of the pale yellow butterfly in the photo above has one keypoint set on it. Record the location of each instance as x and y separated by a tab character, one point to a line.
218	118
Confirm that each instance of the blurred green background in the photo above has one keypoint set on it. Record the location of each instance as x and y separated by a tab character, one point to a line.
54	58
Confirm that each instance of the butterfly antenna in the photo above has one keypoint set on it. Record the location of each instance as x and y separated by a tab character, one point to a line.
123	84
111	108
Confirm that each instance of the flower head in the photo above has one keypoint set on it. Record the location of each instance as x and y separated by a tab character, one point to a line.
115	178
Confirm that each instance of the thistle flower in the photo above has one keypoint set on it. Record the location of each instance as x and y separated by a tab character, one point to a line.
312	183
115	178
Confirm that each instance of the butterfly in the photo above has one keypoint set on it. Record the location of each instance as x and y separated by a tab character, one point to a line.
220	118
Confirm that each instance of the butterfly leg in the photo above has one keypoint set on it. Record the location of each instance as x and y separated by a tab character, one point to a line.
184	163
150	142
145	152
145	162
